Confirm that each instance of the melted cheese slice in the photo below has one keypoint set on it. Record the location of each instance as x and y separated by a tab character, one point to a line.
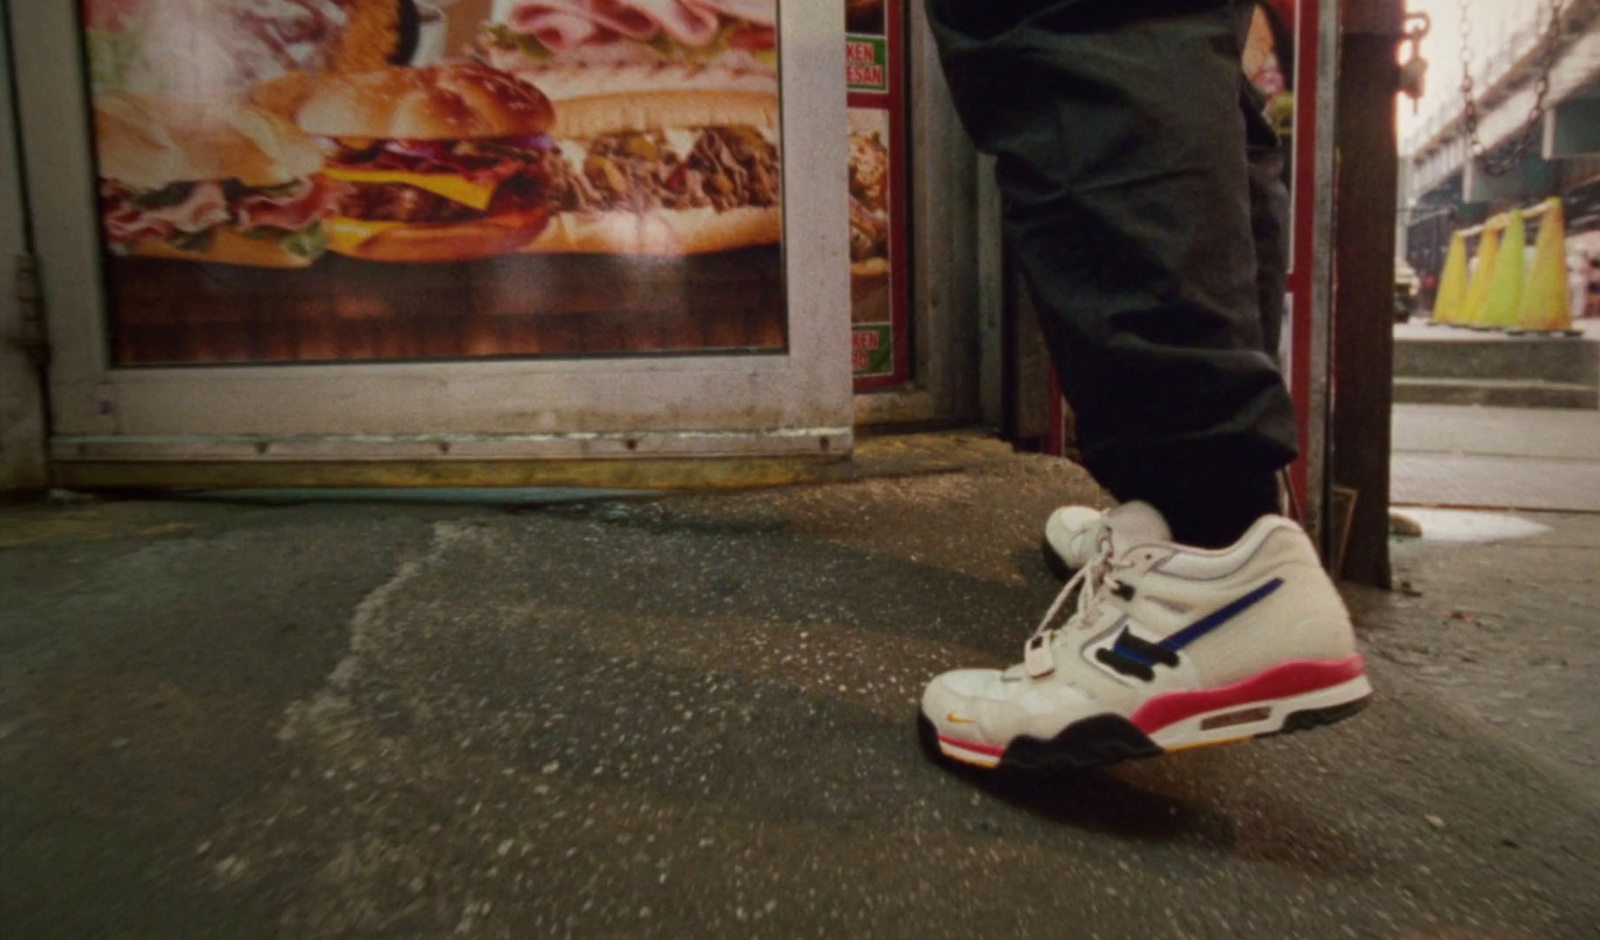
346	235
455	188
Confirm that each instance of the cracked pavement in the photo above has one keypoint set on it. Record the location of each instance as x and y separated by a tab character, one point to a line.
693	717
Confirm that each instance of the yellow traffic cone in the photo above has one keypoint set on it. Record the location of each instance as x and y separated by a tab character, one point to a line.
1505	290
1545	304
1448	305
1478	288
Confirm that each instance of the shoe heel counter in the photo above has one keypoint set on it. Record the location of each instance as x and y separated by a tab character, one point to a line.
1304	620
1309	616
1320	618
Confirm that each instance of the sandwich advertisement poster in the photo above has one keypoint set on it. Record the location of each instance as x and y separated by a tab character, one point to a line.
338	180
871	242
1269	64
879	273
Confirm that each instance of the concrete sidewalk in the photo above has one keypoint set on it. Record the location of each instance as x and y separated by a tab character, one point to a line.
1496	458
693	717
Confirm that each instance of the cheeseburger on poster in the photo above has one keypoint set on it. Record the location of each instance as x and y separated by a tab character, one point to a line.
444	163
214	181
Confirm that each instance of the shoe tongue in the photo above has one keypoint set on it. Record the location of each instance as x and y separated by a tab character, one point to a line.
1134	524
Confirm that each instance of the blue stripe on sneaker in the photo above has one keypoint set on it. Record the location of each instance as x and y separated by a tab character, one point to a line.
1217	618
1122	649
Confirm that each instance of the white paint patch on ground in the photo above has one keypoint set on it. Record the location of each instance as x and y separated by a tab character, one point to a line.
1465	525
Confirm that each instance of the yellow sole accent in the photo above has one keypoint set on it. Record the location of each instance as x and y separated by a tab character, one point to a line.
1190	747
968	759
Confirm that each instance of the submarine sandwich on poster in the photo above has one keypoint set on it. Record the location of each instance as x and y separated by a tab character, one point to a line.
445	163
665	173
667	119
540	39
207	181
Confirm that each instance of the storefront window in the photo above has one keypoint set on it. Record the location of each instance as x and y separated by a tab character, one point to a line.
338	180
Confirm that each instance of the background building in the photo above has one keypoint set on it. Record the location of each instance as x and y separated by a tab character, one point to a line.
1535	101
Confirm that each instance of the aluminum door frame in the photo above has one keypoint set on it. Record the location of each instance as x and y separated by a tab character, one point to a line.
795	403
22	464
945	239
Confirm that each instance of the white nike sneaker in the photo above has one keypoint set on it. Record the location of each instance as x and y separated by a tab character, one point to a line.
1168	647
1071	538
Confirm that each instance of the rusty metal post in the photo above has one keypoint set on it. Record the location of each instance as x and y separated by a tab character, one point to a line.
1363	322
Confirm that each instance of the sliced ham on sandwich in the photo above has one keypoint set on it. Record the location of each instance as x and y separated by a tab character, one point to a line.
686	23
541	35
207	181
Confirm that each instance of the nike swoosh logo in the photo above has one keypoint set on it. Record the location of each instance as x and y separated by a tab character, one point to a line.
955	719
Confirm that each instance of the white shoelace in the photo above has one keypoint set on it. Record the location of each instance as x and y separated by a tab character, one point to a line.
1086	586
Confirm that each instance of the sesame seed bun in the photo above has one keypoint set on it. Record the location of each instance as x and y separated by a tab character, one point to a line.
662	232
587	118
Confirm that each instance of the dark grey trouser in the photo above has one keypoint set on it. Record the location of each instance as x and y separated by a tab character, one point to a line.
1145	207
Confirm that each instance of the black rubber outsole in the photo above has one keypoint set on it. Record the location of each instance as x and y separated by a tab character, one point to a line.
1111	739
1319	717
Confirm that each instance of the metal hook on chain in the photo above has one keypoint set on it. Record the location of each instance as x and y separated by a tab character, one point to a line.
1414	68
1525	140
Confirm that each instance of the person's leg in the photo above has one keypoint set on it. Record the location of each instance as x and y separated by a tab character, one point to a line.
1071	530
1269	214
1120	145
1122	156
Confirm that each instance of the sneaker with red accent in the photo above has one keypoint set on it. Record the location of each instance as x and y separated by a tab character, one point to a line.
1167	647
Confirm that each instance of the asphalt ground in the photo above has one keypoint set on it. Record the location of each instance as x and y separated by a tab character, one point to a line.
694	717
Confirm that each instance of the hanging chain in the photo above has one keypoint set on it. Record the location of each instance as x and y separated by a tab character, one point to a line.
1532	132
